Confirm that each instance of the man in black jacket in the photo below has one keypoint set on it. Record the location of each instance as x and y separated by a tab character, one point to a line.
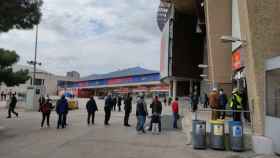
91	109
127	109
107	108
156	107
12	106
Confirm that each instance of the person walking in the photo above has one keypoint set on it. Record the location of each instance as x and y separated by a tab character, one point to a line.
175	111
119	103
194	101
156	107
236	104
62	108
141	114
108	108
165	101
223	103
127	109
12	105
91	109
45	109
214	103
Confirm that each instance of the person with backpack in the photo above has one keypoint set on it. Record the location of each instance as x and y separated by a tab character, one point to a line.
62	108
45	109
141	113
12	105
91	109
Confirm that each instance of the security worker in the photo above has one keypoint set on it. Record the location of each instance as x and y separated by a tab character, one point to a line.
236	104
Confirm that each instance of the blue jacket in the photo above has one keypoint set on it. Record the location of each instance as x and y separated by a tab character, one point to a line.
223	101
62	106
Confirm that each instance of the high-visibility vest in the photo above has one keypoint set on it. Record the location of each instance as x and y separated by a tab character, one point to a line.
236	102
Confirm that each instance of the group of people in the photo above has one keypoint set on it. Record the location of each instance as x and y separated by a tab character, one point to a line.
6	95
62	108
219	101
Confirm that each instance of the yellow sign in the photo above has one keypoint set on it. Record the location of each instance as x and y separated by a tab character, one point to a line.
218	130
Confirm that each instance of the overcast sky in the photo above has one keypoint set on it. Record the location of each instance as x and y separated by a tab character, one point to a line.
91	36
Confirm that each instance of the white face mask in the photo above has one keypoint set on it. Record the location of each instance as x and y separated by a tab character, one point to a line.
221	92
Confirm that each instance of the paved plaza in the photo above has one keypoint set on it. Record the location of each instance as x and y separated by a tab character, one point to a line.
22	137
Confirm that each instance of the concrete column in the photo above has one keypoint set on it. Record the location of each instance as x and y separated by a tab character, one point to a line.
174	88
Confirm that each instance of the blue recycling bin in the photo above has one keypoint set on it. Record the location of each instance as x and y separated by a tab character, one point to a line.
236	138
199	134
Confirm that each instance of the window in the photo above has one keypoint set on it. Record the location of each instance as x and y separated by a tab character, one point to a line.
273	93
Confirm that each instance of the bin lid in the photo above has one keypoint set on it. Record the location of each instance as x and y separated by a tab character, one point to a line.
236	123
217	122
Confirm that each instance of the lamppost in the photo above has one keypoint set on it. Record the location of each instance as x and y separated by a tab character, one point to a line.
34	62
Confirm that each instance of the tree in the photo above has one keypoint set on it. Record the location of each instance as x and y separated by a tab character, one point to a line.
19	14
16	14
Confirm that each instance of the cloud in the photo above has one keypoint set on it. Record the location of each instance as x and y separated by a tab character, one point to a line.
91	36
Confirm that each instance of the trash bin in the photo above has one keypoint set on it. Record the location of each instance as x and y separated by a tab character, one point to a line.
217	134
199	134
236	138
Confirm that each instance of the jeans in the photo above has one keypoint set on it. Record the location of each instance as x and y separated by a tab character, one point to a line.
61	120
175	116
142	120
107	115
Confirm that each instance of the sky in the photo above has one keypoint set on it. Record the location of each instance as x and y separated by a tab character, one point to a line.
91	36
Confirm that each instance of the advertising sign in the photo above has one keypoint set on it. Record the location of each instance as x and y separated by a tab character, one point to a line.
237	59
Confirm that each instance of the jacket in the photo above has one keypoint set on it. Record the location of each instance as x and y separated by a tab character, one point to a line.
223	101
91	106
175	106
62	106
214	99
141	108
108	103
128	104
13	102
156	107
46	107
236	102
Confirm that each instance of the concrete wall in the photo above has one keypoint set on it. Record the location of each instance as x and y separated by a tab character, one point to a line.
218	23
260	27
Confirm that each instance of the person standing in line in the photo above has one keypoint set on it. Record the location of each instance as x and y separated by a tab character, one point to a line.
206	101
194	101
46	108
127	109
223	103
156	107
175	110
141	114
12	105
214	103
62	108
236	104
108	108
114	103
119	103
91	109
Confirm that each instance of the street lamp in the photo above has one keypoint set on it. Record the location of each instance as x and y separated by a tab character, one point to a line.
230	39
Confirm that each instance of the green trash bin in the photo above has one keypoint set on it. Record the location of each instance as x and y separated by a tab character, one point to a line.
217	134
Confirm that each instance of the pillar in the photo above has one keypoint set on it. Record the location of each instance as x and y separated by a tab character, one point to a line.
174	91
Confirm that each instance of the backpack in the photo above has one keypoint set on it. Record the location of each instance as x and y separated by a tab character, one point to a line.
45	108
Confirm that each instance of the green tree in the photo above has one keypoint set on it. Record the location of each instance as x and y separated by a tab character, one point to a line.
16	14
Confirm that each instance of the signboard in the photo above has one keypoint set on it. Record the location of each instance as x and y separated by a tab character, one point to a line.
237	59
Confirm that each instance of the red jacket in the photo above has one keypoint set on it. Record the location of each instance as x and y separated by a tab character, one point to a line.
175	106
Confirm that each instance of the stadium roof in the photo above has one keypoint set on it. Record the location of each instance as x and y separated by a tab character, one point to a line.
135	71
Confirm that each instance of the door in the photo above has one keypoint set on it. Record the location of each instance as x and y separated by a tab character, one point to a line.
272	119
